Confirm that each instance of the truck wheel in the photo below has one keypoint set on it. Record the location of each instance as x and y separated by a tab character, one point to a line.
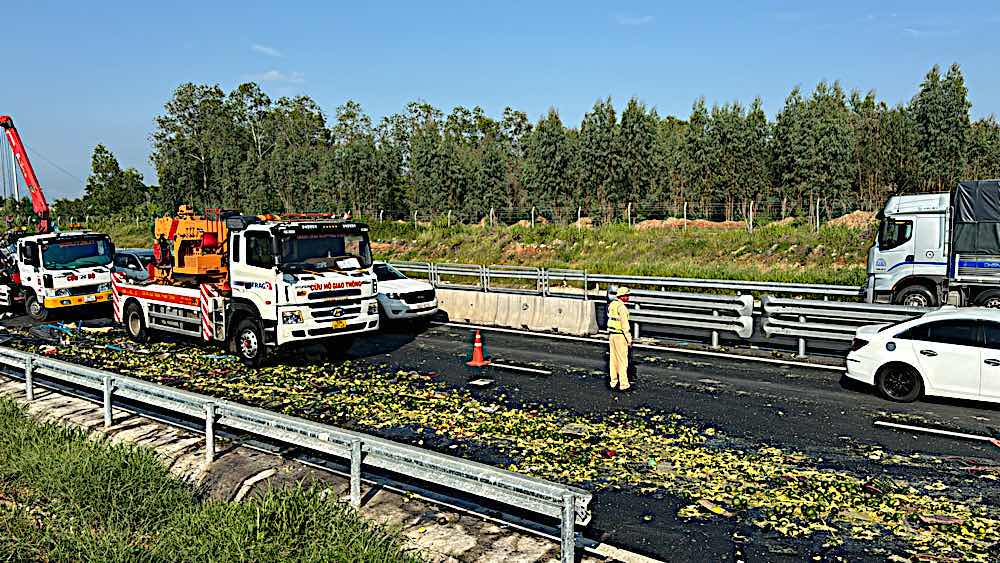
250	343
900	383
135	323
35	309
916	296
989	299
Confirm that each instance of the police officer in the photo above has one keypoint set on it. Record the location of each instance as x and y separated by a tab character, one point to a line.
619	339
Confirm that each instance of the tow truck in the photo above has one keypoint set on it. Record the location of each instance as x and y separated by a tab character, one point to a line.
50	270
254	284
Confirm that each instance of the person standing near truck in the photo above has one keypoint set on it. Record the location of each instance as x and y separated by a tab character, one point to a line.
619	339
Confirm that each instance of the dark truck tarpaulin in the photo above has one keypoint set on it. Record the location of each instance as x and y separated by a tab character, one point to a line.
977	217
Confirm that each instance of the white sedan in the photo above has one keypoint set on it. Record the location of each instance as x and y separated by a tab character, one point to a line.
947	353
400	297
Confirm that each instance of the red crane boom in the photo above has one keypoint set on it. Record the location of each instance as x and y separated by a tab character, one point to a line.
38	202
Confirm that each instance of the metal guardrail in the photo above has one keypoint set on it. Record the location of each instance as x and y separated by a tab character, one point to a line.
717	313
827	320
568	504
542	279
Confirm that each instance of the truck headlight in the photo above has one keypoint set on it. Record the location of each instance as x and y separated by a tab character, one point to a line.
292	317
62	292
104	287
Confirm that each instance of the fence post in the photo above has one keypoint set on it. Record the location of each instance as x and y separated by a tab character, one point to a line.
636	325
356	473
579	216
628	214
29	379
209	432
492	217
567	544
750	218
414	218
802	340
449	218
685	215
108	385
532	217
715	333
380	215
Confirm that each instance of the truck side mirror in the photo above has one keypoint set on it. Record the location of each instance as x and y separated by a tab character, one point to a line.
29	255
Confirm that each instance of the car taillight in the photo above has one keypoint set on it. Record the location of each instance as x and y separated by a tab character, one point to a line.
858	344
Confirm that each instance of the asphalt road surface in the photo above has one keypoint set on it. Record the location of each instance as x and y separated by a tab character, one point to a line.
795	408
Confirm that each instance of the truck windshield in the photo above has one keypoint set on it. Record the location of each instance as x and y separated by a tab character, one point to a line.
892	233
83	252
325	252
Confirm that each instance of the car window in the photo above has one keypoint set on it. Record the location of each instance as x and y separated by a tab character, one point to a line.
963	333
385	272
991	332
133	263
120	260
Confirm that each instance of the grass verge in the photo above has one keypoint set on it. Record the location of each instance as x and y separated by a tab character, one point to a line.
67	496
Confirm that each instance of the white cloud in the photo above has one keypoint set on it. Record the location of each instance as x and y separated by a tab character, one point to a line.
278	76
912	31
633	20
265	50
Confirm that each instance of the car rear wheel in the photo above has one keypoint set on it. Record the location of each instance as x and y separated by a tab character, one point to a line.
900	383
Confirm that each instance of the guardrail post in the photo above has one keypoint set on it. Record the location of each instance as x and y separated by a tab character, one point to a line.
715	333
636	325
29	379
209	432
802	340
586	287
356	473
108	386
567	548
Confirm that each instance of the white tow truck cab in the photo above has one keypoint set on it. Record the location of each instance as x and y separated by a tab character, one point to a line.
58	271
289	282
938	248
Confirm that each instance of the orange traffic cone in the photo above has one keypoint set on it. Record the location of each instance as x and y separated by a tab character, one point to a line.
478	360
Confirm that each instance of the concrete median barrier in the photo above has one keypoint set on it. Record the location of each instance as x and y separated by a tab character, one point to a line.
530	312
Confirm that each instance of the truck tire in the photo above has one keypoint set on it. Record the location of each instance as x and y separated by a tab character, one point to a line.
35	308
135	323
249	343
989	299
916	296
900	383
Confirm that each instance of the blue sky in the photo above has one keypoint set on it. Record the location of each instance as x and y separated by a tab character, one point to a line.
81	73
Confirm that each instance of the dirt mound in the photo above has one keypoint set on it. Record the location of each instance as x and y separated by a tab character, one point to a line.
855	220
783	222
584	223
673	223
526	223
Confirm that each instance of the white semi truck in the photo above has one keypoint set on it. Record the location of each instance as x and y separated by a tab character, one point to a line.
255	284
933	249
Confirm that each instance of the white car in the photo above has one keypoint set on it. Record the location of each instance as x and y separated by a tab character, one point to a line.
400	297
946	353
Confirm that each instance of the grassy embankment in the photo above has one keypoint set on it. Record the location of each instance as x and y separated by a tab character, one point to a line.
775	252
781	253
67	497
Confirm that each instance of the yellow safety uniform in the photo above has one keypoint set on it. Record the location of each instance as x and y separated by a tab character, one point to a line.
620	339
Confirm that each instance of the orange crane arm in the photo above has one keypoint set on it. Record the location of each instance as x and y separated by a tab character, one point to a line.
38	202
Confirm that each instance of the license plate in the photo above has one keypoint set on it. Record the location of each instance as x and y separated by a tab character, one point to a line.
339	324
90	299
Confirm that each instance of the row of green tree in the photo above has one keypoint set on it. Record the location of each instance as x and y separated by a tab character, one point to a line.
244	150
